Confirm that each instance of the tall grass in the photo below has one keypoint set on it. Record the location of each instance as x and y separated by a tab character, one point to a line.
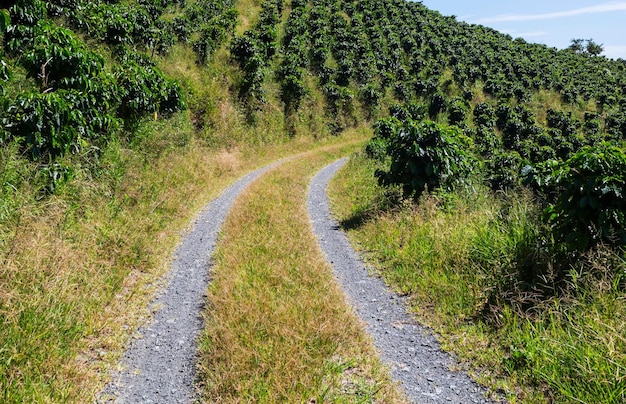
477	269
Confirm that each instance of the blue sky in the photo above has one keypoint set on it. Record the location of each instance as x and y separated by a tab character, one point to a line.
550	22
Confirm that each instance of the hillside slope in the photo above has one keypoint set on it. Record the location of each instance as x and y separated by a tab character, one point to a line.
121	118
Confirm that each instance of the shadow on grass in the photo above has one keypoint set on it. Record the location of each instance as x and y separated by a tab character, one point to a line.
388	201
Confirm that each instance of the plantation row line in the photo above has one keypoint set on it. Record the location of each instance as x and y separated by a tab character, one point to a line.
70	96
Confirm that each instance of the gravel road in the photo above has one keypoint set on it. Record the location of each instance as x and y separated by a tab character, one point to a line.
413	354
160	365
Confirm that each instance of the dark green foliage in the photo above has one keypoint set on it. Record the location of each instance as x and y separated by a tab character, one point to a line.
125	24
586	46
79	103
339	97
292	69
143	90
384	130
438	104
51	124
25	15
5	20
425	155
248	54
616	123
563	122
504	170
484	115
592	124
5	72
212	34
58	60
486	141
587	196
370	96
254	50
457	110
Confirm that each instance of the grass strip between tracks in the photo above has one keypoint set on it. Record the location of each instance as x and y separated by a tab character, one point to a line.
278	328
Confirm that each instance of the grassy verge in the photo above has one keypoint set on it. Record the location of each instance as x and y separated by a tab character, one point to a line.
79	267
455	255
277	326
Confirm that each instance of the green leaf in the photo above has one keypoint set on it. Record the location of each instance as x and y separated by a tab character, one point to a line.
5	20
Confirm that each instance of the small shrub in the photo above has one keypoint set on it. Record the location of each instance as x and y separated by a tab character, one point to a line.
457	111
503	170
587	196
145	90
484	115
48	125
425	155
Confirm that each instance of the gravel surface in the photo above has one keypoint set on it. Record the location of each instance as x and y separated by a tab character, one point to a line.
160	365
413	354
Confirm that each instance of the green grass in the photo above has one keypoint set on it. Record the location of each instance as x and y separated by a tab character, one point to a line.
459	257
78	268
278	328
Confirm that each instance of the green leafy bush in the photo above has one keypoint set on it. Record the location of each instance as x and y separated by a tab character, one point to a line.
384	129
125	24
425	155
57	59
503	170
457	111
484	115
5	72
248	54
5	20
213	33
587	195
24	17
144	89
48	125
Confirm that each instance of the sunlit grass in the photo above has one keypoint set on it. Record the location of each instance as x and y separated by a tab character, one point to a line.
277	326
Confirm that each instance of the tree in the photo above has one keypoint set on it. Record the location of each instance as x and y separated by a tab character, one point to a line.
577	45
594	48
586	46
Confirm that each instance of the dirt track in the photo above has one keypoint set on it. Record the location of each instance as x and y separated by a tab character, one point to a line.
159	366
408	348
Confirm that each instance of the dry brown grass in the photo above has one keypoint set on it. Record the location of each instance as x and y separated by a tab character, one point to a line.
277	326
79	268
248	14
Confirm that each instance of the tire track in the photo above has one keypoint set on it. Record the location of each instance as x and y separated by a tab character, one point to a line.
413	354
160	364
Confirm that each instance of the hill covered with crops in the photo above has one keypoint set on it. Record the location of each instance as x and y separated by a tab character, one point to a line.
98	96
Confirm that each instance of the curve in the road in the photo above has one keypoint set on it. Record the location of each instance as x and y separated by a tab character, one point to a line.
160	365
413	354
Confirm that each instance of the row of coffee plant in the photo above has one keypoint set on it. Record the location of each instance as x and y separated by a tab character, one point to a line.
367	50
75	99
470	100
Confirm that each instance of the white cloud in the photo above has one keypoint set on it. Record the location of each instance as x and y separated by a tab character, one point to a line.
602	8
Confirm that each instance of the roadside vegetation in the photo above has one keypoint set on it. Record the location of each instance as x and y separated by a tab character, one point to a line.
89	215
493	195
492	191
465	259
